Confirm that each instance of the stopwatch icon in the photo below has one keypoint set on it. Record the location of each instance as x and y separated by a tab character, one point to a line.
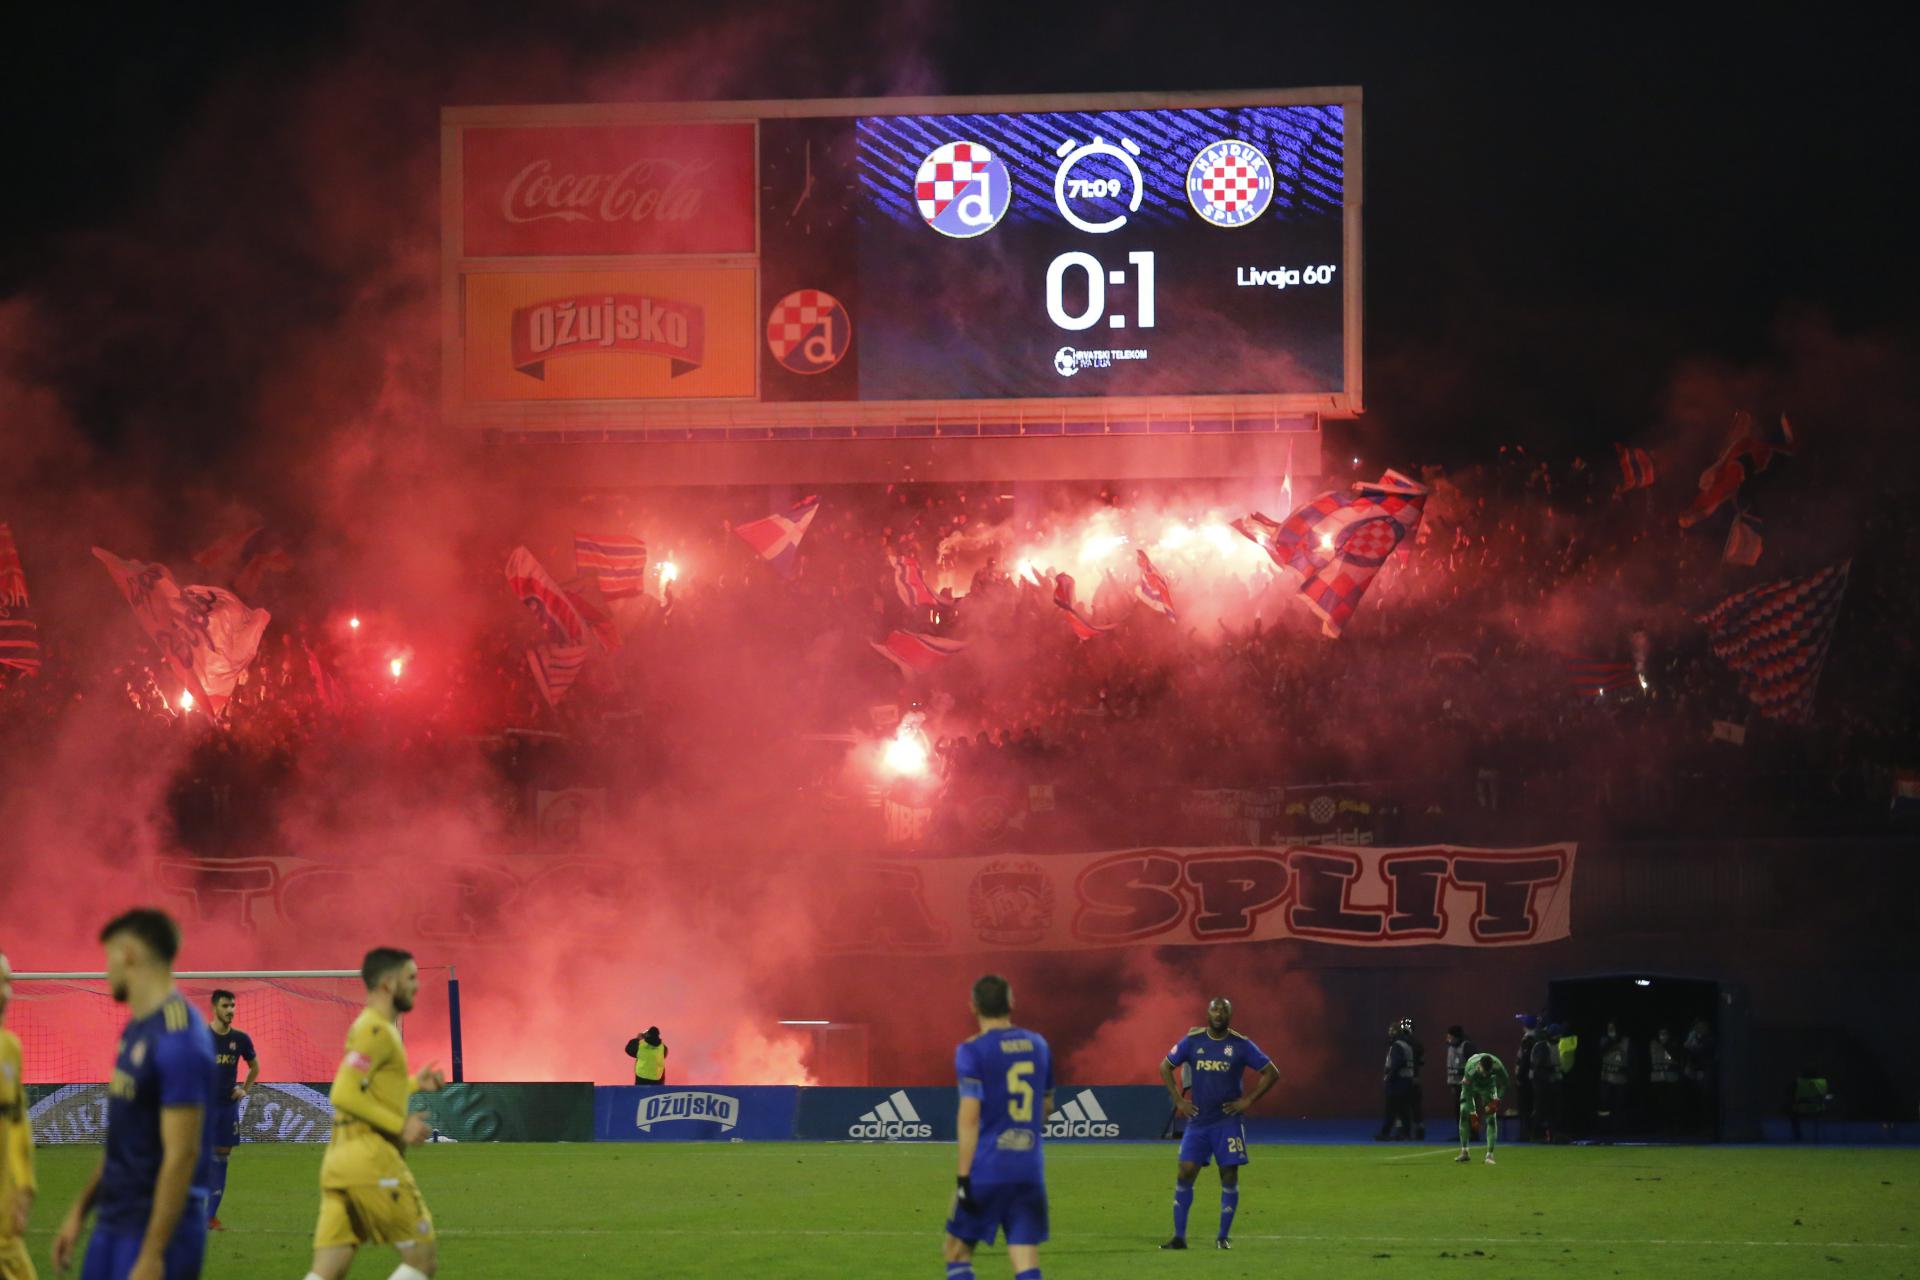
1072	153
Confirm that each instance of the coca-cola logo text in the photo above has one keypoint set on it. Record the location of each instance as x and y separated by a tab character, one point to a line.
646	189
604	189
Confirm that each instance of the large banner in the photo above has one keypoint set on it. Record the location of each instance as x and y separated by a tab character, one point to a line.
1442	895
1432	895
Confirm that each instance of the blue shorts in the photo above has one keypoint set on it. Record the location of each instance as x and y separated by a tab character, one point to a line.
226	1124
1018	1207
111	1254
1225	1142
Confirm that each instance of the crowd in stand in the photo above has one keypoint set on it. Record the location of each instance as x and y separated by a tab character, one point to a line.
1451	681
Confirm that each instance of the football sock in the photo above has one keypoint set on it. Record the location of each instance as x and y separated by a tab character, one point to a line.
219	1189
405	1272
1493	1132
959	1271
1182	1201
1033	1274
1229	1205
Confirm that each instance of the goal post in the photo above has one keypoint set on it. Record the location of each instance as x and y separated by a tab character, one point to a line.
68	1022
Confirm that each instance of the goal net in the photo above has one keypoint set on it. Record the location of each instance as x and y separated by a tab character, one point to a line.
69	1025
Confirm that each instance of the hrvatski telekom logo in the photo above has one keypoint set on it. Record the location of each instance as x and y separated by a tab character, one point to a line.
962	189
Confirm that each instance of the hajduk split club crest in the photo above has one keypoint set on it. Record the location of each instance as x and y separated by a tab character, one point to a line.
962	189
1230	183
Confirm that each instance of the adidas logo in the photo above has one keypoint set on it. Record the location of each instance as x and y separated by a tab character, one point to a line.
1081	1117
893	1119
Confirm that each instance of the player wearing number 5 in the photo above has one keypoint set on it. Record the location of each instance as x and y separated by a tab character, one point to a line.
1006	1095
1215	1056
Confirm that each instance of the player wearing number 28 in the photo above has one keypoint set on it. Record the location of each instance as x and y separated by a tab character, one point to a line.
1215	1056
1006	1094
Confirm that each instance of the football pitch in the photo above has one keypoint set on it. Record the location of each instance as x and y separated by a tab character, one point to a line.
841	1210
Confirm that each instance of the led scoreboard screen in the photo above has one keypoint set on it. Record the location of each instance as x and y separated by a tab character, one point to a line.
903	266
1171	252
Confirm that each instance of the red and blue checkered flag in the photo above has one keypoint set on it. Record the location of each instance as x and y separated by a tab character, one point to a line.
776	538
1775	637
1337	542
1152	589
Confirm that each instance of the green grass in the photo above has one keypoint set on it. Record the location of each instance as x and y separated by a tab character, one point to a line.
851	1210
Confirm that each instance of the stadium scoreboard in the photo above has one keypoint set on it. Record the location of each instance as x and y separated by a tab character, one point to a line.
900	268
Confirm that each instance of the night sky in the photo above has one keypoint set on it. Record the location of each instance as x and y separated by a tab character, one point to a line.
1562	207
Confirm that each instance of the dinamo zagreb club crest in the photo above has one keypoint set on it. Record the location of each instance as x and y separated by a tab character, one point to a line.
808	331
962	189
1230	183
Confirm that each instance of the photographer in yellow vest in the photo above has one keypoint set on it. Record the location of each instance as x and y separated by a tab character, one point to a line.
649	1054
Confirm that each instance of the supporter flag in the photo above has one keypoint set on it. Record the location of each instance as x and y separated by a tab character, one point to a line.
1743	540
226	553
776	538
1727	731
1594	678
544	599
1152	589
1286	483
1906	790
1083	626
1775	637
619	562
916	654
1260	530
911	585
555	668
1750	452
325	685
19	637
205	634
597	621
1636	468
1337	542
244	559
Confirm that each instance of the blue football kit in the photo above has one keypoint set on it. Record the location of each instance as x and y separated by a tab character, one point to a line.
165	1060
1009	1070
1215	1066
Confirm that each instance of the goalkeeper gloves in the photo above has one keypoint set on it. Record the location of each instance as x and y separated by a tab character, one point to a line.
963	1194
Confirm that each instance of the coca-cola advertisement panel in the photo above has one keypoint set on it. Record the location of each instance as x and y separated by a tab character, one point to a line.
686	333
585	190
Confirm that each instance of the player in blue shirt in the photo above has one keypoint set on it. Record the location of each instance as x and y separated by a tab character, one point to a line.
149	1190
1215	1056
229	1047
1006	1095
